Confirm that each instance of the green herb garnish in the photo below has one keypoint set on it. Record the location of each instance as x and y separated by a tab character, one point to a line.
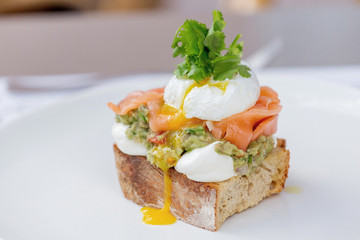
117	118
250	159
202	49
197	130
144	118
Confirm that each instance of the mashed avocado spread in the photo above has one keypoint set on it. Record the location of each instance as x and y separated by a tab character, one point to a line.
246	161
166	148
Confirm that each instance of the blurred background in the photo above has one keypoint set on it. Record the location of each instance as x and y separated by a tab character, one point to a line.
126	36
68	44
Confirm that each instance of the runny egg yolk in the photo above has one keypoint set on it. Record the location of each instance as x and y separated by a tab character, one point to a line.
161	216
176	117
219	84
177	120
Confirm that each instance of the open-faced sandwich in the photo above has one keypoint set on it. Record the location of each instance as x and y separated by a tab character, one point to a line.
200	149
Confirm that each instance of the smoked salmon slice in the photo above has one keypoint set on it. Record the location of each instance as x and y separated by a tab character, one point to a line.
135	99
239	129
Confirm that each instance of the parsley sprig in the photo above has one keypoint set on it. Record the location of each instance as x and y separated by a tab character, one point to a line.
203	48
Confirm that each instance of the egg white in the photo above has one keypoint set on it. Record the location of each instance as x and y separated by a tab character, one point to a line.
209	102
175	91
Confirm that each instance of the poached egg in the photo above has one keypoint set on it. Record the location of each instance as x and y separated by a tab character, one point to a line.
212	100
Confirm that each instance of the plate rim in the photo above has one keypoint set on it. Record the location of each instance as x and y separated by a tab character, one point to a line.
116	81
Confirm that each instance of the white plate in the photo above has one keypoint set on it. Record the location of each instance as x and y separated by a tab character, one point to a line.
58	178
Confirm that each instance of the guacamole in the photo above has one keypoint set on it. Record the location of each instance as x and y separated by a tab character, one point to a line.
177	143
166	148
138	122
246	161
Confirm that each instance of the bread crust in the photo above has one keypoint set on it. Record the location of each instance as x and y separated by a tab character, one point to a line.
205	205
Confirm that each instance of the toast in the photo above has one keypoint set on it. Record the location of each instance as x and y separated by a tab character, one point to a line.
205	205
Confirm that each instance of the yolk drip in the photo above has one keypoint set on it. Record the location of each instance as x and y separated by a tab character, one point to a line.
176	120
220	84
161	216
293	189
176	117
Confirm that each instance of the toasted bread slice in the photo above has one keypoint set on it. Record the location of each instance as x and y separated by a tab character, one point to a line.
205	205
